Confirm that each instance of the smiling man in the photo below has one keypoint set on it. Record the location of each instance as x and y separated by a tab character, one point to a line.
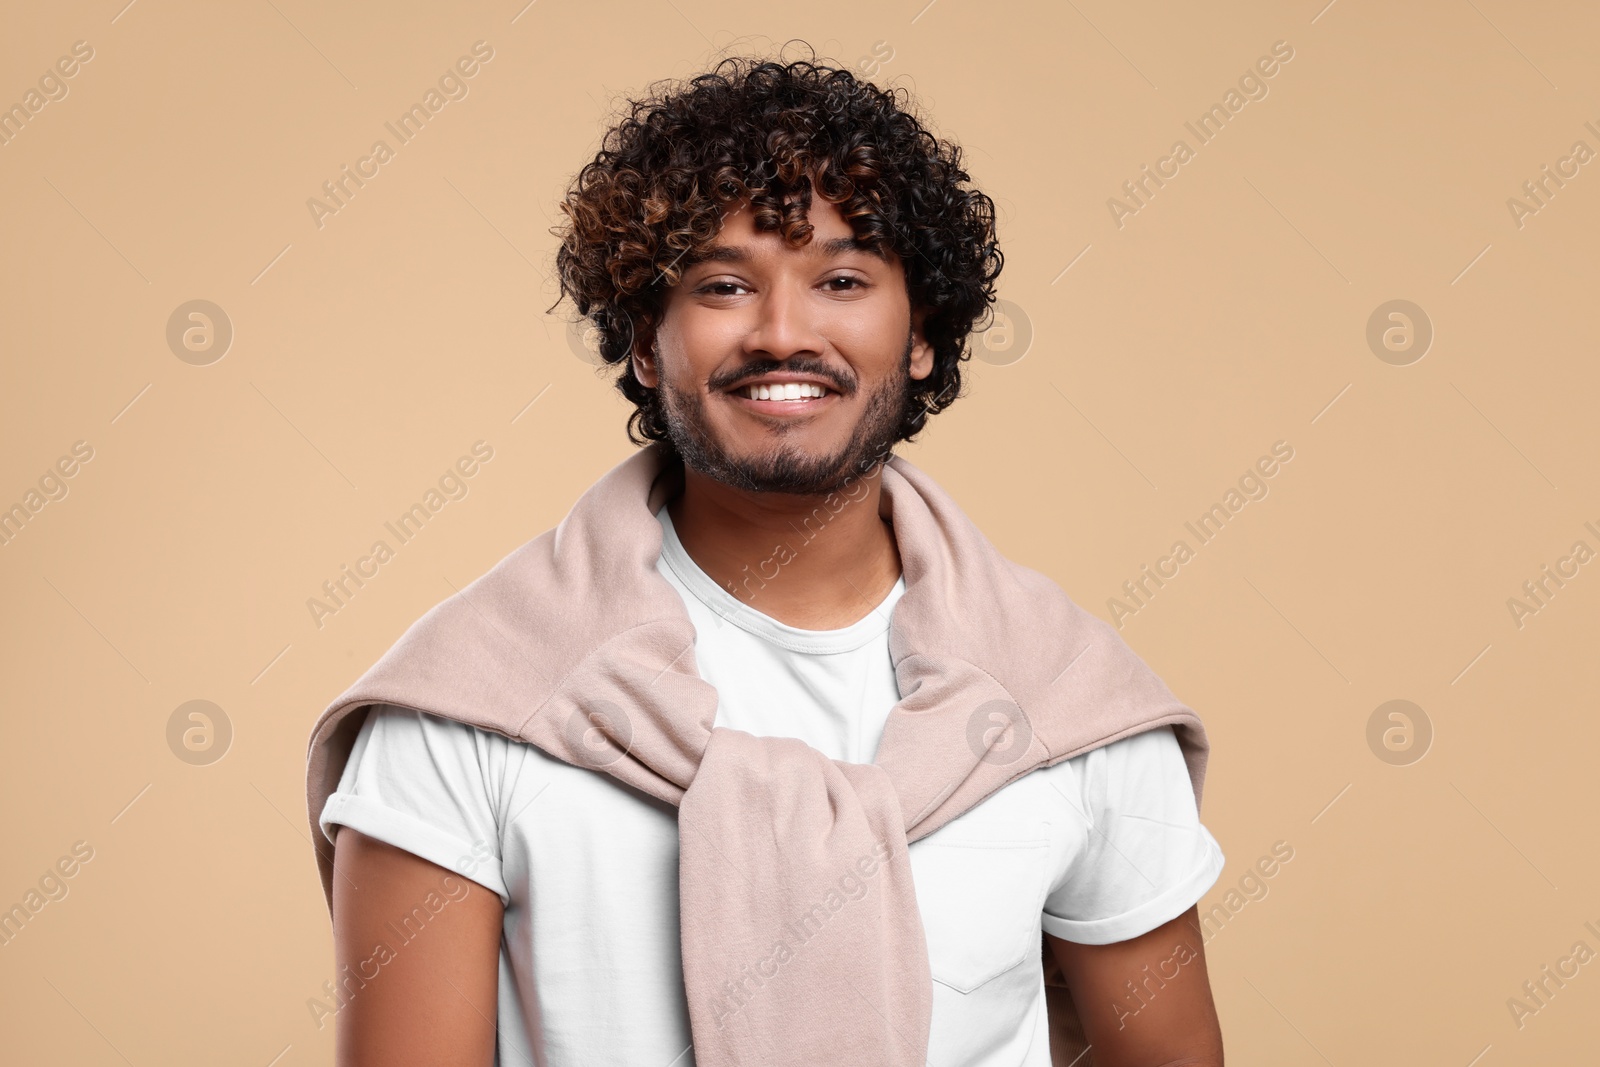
783	374
765	755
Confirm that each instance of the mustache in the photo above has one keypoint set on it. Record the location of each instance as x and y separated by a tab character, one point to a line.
720	383
845	385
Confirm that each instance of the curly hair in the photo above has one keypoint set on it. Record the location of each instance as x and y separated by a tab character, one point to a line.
772	132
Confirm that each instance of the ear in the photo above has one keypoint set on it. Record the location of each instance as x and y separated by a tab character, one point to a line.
644	361
921	350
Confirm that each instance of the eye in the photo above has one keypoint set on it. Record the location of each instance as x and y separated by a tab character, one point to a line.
707	289
852	279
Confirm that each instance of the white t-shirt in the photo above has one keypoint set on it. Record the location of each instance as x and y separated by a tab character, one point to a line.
1095	849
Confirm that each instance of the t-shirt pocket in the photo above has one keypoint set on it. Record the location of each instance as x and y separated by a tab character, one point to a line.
980	902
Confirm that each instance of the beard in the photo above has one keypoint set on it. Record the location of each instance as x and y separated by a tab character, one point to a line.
787	469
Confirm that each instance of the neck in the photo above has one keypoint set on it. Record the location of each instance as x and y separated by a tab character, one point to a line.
813	562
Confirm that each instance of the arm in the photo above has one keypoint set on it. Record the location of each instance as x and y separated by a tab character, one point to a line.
430	999
1166	1017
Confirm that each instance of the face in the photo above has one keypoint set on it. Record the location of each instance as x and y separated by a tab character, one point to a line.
825	317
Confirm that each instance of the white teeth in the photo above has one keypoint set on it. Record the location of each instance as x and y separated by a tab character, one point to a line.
785	391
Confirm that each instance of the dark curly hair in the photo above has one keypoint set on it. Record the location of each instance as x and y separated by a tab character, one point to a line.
769	131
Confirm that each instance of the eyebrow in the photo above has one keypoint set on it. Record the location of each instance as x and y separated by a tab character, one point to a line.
836	246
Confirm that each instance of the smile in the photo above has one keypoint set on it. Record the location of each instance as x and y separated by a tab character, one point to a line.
782	391
792	398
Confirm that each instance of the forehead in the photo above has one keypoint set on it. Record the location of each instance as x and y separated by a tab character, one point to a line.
740	242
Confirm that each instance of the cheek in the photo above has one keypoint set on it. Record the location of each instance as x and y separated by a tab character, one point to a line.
872	348
686	377
877	324
698	347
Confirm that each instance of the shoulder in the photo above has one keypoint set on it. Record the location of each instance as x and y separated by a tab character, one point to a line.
400	746
1147	750
400	727
1142	770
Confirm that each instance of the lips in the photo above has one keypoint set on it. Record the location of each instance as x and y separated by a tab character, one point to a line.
779	403
782	390
783	380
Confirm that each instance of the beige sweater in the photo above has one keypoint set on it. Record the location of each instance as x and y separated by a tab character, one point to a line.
576	632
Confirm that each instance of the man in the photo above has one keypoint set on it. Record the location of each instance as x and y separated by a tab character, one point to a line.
496	901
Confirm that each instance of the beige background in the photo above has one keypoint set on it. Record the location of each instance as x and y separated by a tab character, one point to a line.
1230	312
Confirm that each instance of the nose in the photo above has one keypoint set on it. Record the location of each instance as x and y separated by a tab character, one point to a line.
787	323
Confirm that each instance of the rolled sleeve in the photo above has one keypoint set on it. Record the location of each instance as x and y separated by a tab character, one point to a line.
418	782
1146	857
